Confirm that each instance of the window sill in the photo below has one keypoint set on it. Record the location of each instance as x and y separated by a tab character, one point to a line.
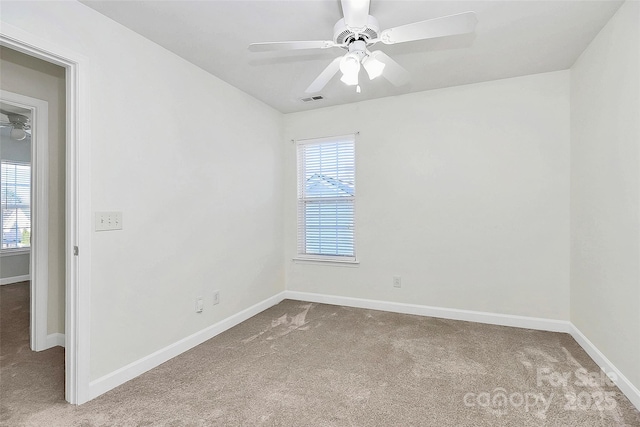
14	252
331	262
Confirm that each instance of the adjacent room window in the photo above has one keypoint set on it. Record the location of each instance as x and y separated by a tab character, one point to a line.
326	198
15	198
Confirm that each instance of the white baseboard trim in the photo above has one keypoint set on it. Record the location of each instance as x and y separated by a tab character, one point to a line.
443	313
54	340
14	279
132	370
126	373
631	391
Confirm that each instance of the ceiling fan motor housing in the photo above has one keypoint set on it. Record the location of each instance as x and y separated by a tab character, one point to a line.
19	121
343	35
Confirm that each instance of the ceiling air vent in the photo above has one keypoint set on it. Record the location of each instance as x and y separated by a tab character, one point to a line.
313	98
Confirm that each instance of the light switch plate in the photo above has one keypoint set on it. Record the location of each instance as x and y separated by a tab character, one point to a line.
107	221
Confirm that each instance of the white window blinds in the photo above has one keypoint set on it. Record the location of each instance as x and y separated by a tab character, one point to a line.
15	186
326	196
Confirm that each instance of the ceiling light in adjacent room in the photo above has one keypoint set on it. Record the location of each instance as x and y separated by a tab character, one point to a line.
18	134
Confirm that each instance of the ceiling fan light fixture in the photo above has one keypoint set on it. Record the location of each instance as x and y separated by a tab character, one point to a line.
350	67
350	64
373	67
349	79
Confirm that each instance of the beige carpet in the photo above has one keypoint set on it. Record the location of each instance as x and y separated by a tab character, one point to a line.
30	381
301	364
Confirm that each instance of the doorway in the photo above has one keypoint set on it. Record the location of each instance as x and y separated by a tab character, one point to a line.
25	183
32	254
77	274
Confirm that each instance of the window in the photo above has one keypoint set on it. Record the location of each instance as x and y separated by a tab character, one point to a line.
326	196
15	185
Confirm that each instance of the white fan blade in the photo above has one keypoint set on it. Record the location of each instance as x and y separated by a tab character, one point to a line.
392	71
461	23
275	46
356	13
321	81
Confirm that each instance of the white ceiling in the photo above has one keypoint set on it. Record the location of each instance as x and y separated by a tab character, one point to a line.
513	38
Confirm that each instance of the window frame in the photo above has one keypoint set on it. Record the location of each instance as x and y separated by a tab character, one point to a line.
300	201
24	249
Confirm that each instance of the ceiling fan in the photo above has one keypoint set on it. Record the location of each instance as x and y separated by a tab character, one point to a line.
358	31
20	125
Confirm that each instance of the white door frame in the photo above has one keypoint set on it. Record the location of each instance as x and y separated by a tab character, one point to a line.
78	203
39	251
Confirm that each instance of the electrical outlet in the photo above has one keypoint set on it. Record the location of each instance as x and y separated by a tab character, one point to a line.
397	282
216	297
199	305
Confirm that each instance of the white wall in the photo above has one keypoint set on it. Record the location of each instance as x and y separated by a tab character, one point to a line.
38	79
463	192
195	166
605	134
14	267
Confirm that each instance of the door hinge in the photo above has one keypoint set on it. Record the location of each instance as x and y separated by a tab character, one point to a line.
75	250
